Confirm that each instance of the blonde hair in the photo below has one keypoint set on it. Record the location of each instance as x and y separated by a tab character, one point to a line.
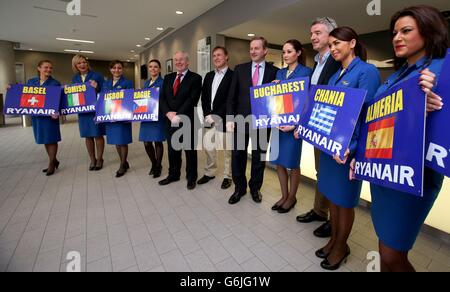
76	59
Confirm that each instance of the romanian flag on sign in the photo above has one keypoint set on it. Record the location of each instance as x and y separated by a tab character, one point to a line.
281	105
380	140
113	106
32	101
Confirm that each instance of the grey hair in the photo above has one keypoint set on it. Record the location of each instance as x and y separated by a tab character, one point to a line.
329	22
185	54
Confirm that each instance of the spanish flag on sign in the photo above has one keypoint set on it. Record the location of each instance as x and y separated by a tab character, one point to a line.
281	105
380	140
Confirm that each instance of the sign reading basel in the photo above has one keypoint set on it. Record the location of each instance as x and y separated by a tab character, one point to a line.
280	104
32	101
391	148
329	118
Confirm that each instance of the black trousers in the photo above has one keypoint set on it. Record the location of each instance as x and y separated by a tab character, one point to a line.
239	160
175	157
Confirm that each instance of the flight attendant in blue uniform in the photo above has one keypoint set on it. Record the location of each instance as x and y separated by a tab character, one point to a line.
93	133
286	150
397	216
334	180
119	133
154	132
46	129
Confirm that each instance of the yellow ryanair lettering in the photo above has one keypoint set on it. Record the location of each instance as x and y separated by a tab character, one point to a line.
386	106
279	89
34	90
142	94
114	95
332	97
75	89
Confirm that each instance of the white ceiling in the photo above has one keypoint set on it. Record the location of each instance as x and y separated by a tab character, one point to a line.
116	26
294	21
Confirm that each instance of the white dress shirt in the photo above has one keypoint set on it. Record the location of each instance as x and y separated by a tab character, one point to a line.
218	77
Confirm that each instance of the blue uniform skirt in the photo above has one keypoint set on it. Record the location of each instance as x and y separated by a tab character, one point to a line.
334	183
398	217
46	130
119	133
88	128
153	131
286	151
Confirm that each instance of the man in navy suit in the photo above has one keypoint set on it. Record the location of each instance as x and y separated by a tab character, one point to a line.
245	76
178	97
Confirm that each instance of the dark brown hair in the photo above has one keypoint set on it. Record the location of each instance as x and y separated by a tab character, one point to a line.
157	62
114	63
263	40
42	63
298	47
225	51
347	34
433	28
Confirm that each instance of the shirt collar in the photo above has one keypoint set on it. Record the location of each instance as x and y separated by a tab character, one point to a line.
184	72
223	71
262	65
325	58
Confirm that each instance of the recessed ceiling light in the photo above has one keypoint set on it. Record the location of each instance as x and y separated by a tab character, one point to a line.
136	55
30	49
160	28
75	41
132	51
128	61
78	51
251	35
147	39
138	46
179	12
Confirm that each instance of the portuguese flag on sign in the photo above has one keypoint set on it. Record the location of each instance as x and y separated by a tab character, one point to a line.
76	99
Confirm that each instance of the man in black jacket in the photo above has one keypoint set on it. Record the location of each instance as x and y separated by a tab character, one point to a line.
255	73
324	69
215	91
178	98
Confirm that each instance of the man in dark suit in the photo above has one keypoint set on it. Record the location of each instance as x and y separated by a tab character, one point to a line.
255	73
215	91
178	98
325	67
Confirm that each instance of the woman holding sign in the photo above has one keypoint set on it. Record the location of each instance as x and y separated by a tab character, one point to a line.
420	40
88	129
154	132
288	148
119	133
46	129
333	179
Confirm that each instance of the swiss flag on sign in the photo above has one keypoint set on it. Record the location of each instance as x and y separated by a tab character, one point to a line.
32	101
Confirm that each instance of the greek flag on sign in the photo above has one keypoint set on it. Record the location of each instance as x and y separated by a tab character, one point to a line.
322	118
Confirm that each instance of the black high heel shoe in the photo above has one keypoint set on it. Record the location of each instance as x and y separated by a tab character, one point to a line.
56	166
99	166
157	172
126	166
93	166
275	207
282	210
152	171
327	266
321	254
51	171
121	172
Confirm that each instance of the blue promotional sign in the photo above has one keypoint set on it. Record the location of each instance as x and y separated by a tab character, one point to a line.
78	98
280	104
329	118
391	149
32	101
146	105
128	105
437	139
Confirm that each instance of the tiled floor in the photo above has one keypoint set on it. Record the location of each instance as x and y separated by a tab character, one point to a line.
132	224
